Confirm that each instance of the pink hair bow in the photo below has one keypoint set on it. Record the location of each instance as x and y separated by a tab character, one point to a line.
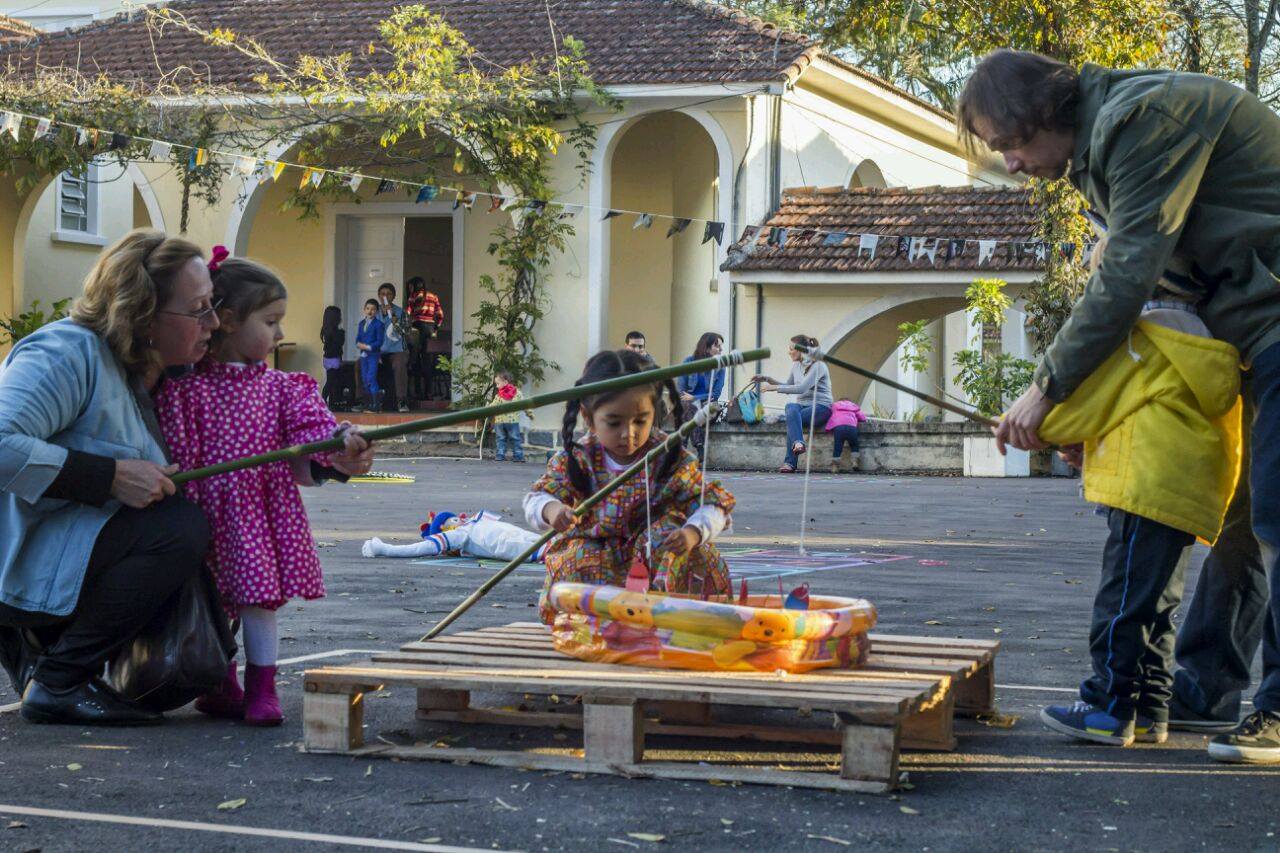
220	254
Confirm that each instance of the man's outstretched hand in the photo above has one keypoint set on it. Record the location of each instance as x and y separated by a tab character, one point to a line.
1021	424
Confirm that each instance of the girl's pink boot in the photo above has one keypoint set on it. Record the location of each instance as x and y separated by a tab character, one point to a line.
261	705
227	702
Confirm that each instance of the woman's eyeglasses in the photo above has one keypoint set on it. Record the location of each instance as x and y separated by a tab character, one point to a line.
204	316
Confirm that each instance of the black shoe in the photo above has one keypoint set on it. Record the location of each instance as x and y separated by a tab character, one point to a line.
1255	741
1182	718
90	704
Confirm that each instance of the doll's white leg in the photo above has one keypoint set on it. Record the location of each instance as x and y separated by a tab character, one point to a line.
430	547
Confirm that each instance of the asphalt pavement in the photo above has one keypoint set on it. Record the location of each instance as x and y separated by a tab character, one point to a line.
1013	560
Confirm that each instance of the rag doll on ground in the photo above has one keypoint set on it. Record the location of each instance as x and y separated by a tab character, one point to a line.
484	535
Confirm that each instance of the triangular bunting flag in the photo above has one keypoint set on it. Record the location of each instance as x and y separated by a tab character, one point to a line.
159	151
1041	250
534	205
926	246
43	126
119	141
835	238
276	170
955	248
427	193
308	177
866	243
570	211
986	248
644	220
11	125
902	247
243	166
354	182
713	231
1067	250
678	226
610	215
199	156
84	136
463	199
495	203
384	186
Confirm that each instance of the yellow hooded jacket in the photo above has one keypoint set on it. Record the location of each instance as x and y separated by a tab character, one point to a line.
1161	433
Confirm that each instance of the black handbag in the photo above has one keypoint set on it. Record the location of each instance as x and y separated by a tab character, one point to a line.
181	654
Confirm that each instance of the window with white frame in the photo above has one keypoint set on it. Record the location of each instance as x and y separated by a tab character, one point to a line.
78	202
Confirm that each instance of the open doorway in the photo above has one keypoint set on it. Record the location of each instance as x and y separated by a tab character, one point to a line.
375	249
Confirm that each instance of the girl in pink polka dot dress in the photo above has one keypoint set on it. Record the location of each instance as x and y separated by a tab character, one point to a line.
232	405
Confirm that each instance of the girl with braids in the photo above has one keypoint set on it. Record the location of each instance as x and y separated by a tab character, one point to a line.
680	522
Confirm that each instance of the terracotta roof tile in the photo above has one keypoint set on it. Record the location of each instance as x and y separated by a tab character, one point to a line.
14	30
627	41
966	213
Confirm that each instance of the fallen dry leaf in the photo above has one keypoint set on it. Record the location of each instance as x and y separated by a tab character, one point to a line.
647	836
368	771
933	622
998	721
907	810
830	838
16	824
231	805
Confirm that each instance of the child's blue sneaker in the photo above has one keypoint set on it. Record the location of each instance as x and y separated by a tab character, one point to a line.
1086	722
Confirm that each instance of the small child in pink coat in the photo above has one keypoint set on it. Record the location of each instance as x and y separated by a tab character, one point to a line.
232	405
843	426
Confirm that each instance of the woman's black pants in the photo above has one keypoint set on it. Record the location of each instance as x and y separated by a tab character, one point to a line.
140	559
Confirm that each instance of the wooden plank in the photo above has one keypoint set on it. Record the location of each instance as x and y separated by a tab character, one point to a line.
494	652
754	732
333	722
680	713
443	700
977	694
880	680
867	707
612	732
869	753
931	727
643	770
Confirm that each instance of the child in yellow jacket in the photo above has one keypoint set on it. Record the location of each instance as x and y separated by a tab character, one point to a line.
1160	425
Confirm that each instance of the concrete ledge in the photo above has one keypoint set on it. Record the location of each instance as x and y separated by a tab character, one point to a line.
887	447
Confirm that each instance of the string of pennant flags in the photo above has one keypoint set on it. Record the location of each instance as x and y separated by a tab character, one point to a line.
265	170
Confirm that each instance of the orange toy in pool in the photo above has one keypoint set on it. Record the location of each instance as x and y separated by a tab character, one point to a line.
609	624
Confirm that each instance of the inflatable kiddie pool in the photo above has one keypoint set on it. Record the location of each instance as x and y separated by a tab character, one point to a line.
609	624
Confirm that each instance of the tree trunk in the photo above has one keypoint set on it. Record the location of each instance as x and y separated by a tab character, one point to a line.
1193	19
1259	21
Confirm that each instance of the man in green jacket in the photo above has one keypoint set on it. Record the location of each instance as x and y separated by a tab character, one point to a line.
1185	170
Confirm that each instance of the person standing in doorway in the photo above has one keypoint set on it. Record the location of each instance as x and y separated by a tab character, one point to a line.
395	344
369	337
636	343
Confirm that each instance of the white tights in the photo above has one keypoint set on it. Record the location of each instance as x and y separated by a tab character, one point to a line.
261	639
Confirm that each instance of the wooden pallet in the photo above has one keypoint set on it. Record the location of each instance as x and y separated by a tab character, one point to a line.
905	697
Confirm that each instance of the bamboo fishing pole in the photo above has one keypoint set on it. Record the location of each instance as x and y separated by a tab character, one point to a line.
702	417
659	374
876	377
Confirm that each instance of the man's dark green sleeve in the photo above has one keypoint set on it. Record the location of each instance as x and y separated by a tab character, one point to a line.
1153	165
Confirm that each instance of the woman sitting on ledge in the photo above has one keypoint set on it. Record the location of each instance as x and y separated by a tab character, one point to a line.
810	381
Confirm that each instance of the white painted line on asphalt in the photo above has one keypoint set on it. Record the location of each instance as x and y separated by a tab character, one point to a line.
333	654
232	829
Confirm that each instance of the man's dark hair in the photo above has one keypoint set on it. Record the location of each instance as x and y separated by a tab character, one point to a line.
1018	93
633	335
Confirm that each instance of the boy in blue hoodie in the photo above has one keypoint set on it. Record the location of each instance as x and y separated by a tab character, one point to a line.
369	342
